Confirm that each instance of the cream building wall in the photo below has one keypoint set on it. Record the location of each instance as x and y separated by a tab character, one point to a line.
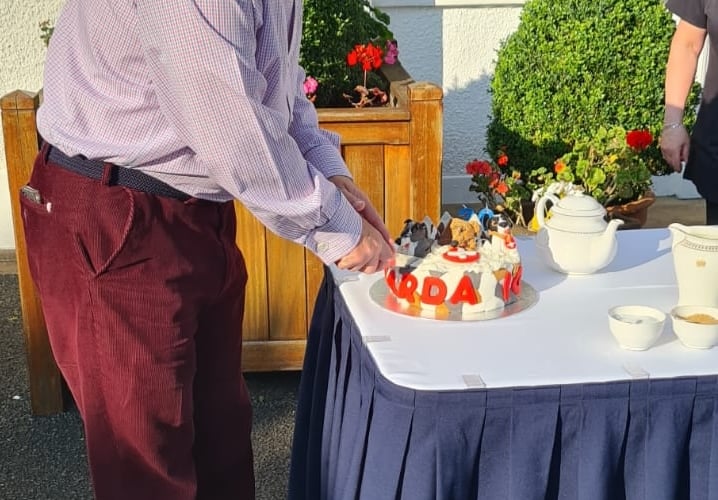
452	43
21	58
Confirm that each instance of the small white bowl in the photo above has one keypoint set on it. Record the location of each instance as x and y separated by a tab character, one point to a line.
636	327
692	333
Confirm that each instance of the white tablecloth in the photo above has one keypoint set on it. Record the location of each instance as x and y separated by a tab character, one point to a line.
562	339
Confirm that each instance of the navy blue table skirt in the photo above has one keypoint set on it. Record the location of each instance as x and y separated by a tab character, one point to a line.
358	436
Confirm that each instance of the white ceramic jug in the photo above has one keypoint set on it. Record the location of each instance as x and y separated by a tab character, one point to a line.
695	258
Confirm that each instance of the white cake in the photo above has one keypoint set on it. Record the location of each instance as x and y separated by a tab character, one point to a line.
479	274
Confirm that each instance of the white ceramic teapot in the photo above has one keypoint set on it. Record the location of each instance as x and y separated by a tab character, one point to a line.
576	239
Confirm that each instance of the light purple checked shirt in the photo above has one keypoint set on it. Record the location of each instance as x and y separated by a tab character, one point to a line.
205	95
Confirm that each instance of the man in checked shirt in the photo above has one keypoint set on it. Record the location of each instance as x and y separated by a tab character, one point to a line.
156	115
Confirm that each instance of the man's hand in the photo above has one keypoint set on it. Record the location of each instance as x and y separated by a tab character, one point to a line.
361	204
371	254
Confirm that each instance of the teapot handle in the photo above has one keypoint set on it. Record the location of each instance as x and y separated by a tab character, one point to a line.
540	210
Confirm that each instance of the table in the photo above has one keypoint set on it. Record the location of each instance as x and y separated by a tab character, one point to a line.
539	405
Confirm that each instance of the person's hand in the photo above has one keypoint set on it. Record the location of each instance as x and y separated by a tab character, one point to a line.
371	254
675	144
360	201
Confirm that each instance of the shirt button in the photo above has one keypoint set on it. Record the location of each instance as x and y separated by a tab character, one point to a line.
322	247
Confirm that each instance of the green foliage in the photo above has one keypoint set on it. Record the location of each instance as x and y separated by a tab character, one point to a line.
331	29
607	167
46	29
574	66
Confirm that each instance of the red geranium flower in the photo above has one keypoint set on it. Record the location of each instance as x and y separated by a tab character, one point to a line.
502	188
639	139
478	167
369	56
352	58
499	187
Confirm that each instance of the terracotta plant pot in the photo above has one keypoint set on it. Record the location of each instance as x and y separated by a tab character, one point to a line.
634	213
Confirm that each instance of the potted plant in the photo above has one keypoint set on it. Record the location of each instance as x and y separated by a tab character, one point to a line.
332	31
500	187
368	58
614	166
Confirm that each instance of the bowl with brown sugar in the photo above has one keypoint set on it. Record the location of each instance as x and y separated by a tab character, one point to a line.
696	326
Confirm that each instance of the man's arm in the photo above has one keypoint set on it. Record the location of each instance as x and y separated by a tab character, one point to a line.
202	56
321	149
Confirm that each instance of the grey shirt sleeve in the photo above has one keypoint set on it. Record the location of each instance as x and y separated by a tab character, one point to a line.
691	11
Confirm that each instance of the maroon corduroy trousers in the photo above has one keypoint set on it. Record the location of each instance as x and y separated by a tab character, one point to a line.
143	297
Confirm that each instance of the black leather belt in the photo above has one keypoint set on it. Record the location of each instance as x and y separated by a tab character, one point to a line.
118	176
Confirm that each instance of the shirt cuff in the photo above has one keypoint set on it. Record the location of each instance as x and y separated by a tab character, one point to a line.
335	239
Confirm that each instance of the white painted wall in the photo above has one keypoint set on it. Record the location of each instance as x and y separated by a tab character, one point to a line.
456	49
21	56
452	43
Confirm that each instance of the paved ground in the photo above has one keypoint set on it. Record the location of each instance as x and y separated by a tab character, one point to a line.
670	209
43	458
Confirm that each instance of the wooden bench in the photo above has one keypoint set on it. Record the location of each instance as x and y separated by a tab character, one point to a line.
395	156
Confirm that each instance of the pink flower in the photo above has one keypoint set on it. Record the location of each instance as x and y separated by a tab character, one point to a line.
391	52
310	86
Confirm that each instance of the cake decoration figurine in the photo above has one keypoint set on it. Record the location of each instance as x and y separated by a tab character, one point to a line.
416	238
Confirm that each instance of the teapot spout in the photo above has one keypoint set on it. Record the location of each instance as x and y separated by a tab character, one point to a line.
605	248
613	224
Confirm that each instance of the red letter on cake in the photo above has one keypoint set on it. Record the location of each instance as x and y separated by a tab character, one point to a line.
433	291
464	292
390	276
407	287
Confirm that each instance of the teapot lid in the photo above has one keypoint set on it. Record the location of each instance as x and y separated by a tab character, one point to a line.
579	205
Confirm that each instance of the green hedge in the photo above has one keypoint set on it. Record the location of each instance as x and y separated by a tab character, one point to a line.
573	66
